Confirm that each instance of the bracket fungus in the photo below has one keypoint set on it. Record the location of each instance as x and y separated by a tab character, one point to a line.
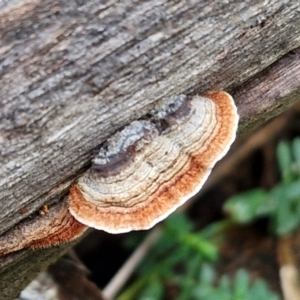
153	165
52	227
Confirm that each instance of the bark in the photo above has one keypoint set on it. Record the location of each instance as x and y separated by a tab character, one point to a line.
73	72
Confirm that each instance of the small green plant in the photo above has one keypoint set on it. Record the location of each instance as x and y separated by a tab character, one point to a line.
184	260
238	288
281	204
176	245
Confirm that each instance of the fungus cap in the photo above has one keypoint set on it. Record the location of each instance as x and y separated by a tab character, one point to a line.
153	165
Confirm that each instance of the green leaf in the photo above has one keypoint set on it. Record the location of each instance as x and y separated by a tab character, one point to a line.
296	153
153	291
225	285
198	243
246	207
259	290
293	190
207	274
240	285
286	216
284	158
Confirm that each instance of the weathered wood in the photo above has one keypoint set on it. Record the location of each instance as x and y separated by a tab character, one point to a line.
270	92
72	72
19	269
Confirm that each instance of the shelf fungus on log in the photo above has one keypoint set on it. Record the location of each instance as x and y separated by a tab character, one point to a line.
53	227
153	165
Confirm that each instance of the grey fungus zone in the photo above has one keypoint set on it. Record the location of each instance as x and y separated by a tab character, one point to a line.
153	165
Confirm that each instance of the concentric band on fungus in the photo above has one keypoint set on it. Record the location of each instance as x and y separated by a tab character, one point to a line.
152	166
